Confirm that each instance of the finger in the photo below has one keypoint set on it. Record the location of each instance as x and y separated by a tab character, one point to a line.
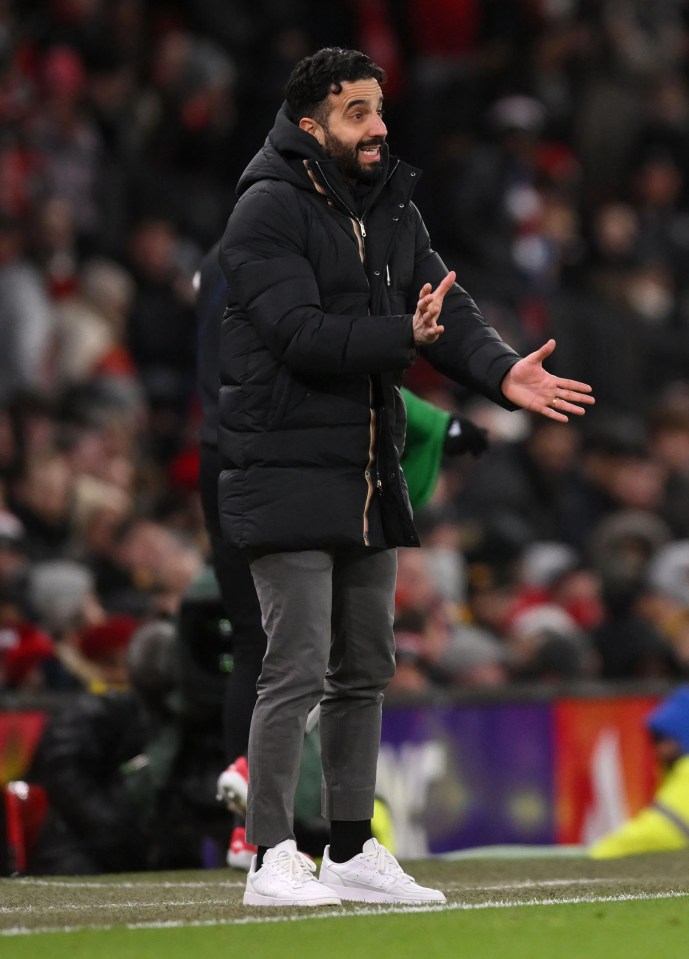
554	414
431	331
445	284
543	353
564	407
573	385
574	396
425	290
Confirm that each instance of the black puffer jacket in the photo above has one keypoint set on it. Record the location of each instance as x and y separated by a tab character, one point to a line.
317	331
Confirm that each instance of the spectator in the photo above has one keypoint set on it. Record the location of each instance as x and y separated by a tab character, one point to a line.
27	319
28	660
666	602
42	499
547	646
14	562
124	772
67	139
104	648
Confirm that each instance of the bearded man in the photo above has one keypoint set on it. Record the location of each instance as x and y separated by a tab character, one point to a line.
334	290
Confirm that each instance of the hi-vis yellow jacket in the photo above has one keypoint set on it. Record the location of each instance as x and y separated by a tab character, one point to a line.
662	826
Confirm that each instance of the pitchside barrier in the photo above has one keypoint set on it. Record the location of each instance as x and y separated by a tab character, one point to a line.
523	765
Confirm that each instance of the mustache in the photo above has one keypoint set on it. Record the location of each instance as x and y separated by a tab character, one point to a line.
375	142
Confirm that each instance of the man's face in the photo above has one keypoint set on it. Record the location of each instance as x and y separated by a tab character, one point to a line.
354	131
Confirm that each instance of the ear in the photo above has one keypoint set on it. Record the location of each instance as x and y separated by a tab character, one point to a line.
313	127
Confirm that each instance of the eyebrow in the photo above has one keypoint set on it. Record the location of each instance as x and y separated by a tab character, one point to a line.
362	101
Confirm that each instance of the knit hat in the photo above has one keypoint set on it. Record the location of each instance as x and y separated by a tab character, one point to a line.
545	618
471	647
12	533
57	591
544	561
671	718
153	662
99	641
668	572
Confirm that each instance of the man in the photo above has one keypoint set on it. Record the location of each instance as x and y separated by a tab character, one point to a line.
124	770
664	824
432	433
333	288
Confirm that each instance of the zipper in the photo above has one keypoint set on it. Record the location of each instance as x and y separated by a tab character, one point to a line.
368	473
339	198
360	233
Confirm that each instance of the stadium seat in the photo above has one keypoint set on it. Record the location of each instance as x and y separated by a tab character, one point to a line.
25	809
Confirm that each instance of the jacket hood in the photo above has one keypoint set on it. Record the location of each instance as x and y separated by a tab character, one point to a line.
281	156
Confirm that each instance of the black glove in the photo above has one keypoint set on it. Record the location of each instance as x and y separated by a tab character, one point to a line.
463	436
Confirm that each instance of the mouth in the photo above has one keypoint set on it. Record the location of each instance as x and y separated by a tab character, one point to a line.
370	151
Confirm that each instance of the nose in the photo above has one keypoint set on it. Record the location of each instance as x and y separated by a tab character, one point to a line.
378	128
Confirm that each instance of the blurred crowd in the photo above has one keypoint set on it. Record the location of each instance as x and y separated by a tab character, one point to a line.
554	138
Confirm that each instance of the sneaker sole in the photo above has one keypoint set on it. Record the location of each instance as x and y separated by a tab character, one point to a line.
352	894
256	899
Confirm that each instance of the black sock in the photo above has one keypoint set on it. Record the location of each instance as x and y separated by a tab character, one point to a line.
262	850
347	838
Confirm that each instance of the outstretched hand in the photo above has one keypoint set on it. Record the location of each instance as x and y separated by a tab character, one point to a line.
425	321
528	385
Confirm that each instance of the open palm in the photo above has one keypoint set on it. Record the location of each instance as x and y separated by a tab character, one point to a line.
530	386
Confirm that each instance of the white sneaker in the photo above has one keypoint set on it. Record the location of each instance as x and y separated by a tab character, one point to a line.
374	876
233	786
286	879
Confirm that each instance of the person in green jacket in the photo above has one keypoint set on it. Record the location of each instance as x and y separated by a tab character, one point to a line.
433	433
664	824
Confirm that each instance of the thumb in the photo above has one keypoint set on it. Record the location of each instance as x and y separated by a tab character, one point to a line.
544	352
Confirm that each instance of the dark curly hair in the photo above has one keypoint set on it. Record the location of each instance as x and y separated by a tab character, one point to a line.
316	76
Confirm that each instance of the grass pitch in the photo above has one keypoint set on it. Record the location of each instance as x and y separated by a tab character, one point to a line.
535	906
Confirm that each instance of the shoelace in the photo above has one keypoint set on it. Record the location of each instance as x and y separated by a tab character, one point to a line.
384	861
295	865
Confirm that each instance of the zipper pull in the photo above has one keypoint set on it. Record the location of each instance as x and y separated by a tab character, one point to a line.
362	228
379	486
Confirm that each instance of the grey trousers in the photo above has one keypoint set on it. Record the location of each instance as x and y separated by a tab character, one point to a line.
328	616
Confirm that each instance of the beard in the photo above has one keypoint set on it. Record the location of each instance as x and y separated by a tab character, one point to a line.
347	158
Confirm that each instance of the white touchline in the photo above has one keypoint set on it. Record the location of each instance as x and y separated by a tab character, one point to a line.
365	911
95	907
541	884
146	884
